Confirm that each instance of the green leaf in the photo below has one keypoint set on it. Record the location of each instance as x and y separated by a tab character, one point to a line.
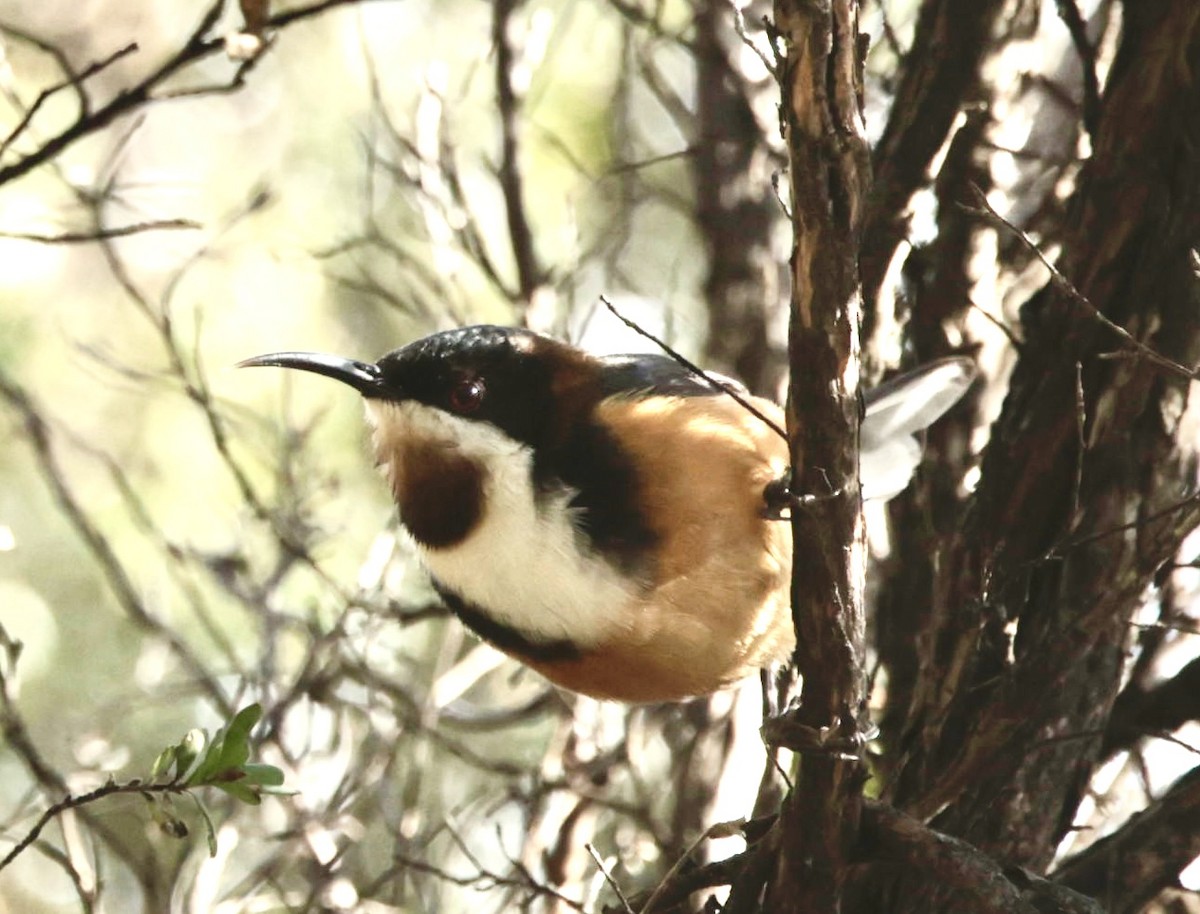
208	763
236	751
189	753
163	763
230	747
278	791
209	829
240	790
243	722
261	775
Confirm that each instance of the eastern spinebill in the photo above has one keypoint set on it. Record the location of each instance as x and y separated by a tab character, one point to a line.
601	518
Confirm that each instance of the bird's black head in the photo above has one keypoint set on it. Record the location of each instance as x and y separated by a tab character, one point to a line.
498	375
537	392
513	379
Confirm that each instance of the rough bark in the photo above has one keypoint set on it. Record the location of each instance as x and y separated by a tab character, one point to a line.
1127	869
822	95
1086	484
930	511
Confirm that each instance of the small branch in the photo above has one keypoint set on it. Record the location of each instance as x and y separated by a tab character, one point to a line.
679	885
485	880
74	80
1060	550
1080	441
139	94
74	802
1140	712
717	384
772	66
12	724
608	877
670	883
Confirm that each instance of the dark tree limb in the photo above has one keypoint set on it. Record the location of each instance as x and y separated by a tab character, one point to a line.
925	516
1069	529
1068	12
1139	712
1131	866
980	884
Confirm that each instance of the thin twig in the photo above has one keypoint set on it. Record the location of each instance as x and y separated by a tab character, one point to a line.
101	234
1081	441
1060	551
73	79
1009	333
719	830
699	372
74	802
608	877
197	47
1065	285
739	25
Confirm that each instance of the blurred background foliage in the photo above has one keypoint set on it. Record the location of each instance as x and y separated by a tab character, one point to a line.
180	538
231	540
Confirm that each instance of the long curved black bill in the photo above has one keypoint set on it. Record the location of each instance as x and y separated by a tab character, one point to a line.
362	376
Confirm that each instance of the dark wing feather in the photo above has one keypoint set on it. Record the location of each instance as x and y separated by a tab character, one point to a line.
649	375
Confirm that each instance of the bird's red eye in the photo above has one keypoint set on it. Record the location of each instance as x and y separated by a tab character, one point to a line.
467	394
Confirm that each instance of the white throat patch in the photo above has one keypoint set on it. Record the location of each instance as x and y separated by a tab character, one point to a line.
521	564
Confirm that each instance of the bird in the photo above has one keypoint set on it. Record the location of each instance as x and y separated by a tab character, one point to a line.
601	519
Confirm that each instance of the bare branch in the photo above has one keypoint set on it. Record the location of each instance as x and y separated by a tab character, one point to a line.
198	46
74	80
76	801
101	234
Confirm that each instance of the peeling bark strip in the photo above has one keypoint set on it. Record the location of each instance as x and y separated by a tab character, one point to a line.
821	86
